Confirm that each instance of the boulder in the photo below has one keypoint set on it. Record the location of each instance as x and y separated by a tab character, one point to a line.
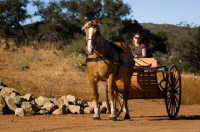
40	101
19	112
10	103
2	105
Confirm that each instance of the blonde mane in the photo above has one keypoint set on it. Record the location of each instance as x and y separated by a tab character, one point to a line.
100	27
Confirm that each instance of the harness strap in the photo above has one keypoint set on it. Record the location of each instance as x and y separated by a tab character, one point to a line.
118	67
96	59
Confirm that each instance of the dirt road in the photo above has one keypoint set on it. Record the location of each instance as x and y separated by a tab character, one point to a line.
146	115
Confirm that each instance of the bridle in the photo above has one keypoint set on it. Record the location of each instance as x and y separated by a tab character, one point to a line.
94	42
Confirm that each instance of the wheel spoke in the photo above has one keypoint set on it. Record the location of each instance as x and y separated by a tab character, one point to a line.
177	88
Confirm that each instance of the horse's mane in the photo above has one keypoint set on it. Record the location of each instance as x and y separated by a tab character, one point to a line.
100	27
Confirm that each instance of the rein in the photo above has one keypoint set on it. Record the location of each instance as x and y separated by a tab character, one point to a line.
100	58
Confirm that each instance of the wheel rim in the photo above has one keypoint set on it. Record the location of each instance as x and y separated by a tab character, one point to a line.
173	91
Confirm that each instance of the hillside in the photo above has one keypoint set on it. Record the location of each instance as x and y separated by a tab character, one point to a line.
174	33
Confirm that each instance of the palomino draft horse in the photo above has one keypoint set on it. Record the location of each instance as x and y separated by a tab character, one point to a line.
108	62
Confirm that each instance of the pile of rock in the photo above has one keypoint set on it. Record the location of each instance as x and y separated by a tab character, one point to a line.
12	102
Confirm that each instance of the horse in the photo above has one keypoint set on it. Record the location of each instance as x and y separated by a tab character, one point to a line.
107	61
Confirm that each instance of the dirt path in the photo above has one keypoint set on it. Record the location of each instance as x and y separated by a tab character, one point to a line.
146	115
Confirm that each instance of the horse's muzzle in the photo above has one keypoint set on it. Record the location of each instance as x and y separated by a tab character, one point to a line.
89	52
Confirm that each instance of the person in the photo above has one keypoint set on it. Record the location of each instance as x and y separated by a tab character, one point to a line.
137	47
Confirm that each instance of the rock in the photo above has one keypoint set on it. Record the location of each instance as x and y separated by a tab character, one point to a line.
1	87
27	106
58	111
43	112
18	100
28	97
103	109
35	108
88	110
10	103
19	112
83	103
49	107
2	105
74	109
65	100
14	90
6	92
65	109
59	102
40	101
71	99
90	104
104	104
13	94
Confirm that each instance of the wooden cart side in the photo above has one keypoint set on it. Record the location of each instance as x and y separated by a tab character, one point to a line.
150	62
144	85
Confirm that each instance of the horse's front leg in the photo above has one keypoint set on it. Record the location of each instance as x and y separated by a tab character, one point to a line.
94	86
111	87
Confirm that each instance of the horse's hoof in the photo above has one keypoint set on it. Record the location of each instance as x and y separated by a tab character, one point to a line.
126	117
113	118
96	118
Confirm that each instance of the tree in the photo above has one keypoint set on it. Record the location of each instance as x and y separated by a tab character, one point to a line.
116	9
188	52
114	20
59	21
13	13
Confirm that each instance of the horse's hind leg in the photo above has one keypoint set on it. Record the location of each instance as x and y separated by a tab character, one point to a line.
125	107
111	85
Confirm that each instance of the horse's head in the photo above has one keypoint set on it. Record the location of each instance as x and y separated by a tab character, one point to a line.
91	30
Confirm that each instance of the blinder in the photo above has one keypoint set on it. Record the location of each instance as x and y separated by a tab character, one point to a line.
83	32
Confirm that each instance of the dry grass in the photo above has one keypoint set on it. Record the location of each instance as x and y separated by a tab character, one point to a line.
190	90
44	73
49	73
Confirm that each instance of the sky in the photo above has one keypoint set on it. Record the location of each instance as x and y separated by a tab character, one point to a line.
165	11
159	11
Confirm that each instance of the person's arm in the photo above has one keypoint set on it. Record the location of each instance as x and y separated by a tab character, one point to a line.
144	53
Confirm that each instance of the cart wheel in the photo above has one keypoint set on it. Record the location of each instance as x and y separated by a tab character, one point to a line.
173	91
119	101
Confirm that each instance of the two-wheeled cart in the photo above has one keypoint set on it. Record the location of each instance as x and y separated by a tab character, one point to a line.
150	81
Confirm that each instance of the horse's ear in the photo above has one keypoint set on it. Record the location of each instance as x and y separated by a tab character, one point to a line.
97	20
83	21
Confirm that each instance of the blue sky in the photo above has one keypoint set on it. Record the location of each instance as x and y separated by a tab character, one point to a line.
160	11
165	11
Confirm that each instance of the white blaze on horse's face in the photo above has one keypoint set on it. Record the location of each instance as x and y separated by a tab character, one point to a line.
89	46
